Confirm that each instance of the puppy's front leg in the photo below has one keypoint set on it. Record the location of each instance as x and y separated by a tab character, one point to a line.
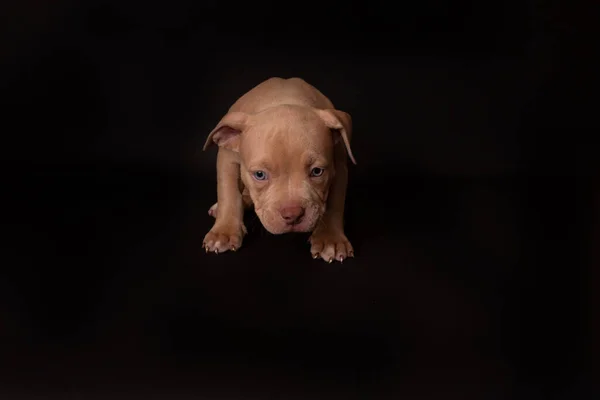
228	231
328	240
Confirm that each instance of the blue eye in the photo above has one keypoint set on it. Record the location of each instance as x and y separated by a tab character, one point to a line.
316	172
260	175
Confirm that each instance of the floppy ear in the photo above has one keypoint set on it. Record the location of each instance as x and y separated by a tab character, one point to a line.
340	124
227	133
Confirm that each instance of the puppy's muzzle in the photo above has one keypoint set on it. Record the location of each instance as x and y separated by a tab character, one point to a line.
292	215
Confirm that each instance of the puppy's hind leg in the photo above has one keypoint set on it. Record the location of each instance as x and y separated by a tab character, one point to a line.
246	200
212	211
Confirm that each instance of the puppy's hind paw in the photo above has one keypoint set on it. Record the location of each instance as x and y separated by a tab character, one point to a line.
212	211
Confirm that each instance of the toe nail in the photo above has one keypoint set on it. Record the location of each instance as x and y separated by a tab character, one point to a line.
233	248
206	249
316	255
330	260
216	251
341	258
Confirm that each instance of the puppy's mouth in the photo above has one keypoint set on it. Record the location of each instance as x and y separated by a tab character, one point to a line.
301	227
279	228
276	225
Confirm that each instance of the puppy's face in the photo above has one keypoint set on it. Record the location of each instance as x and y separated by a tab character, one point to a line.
286	162
287	165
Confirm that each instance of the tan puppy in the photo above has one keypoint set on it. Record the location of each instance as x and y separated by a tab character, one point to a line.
282	149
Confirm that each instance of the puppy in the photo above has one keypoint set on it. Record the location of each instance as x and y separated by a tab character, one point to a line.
283	149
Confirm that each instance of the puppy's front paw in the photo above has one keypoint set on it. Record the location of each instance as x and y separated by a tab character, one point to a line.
224	237
330	245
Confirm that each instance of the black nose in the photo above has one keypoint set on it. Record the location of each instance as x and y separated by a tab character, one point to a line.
292	215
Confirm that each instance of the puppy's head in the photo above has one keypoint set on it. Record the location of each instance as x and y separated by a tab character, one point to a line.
287	160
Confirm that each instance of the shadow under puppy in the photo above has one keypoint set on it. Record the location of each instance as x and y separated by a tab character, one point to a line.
283	148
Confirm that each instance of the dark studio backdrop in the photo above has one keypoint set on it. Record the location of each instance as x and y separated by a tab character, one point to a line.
472	123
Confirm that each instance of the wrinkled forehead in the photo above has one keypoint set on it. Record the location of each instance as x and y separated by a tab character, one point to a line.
289	143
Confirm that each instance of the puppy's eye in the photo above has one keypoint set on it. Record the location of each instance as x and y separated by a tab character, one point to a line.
316	172
260	175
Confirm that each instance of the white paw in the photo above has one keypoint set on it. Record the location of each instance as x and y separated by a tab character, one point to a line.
213	210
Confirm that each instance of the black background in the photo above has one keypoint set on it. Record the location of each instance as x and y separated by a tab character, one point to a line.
471	208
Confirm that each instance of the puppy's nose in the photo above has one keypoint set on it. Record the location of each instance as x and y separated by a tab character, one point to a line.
292	215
